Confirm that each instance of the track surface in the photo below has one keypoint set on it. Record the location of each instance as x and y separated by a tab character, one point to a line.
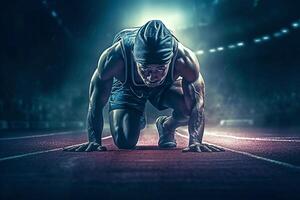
257	164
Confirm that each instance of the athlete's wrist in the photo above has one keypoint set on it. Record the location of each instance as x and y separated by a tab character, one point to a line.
194	141
92	138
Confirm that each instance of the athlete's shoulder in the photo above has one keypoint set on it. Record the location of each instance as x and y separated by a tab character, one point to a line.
111	61
128	33
187	63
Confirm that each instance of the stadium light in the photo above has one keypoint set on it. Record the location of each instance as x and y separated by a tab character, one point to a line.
212	50
200	52
257	40
53	13
173	17
295	25
280	33
266	37
240	44
231	46
285	30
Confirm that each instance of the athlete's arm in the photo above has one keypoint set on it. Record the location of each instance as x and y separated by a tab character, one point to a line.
100	87
194	91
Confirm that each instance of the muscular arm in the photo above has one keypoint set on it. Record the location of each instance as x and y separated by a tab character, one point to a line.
194	91
194	97
98	97
110	64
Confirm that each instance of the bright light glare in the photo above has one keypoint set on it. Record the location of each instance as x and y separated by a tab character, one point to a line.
295	25
53	13
266	37
240	44
284	30
257	40
173	18
200	52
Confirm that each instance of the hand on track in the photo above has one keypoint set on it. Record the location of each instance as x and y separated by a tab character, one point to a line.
202	148
87	147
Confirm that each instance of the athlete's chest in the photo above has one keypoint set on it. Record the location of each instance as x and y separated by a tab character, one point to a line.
131	74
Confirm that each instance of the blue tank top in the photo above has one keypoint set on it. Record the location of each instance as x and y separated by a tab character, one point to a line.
127	38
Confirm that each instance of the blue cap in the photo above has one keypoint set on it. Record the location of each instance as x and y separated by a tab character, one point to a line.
153	44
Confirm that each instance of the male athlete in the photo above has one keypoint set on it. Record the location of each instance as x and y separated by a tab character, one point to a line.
146	63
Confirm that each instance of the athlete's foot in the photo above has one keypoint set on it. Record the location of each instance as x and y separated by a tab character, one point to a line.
166	138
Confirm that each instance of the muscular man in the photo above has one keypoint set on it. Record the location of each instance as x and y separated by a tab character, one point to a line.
146	63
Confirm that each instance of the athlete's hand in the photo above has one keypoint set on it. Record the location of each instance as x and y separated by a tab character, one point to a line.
87	147
202	148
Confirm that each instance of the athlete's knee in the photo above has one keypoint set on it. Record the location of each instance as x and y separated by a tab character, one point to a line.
125	143
122	139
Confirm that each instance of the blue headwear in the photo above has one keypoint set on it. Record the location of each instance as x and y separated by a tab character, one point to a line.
153	44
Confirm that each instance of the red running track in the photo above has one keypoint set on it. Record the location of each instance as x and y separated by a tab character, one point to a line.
257	164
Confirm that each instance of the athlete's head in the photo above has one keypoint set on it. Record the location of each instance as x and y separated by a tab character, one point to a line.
153	74
153	51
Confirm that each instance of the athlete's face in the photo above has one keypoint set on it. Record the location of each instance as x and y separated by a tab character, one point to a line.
154	74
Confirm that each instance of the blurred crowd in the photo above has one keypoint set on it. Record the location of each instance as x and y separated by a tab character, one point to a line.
272	109
67	108
277	108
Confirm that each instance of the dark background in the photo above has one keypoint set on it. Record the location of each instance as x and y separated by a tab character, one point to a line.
50	49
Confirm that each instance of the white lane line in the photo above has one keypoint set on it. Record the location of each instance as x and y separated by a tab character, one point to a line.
41	152
267	139
284	164
37	136
274	139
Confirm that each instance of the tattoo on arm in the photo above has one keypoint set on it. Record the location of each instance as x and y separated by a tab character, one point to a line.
194	98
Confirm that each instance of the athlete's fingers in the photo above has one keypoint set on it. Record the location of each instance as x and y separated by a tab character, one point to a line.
70	148
101	148
186	149
202	148
205	148
91	147
198	148
195	148
191	148
82	147
216	148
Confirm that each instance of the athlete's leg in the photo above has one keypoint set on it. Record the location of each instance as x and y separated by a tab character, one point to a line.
171	97
174	98
125	127
181	104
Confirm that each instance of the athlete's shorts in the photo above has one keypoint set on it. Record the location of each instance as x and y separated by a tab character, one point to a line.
123	96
